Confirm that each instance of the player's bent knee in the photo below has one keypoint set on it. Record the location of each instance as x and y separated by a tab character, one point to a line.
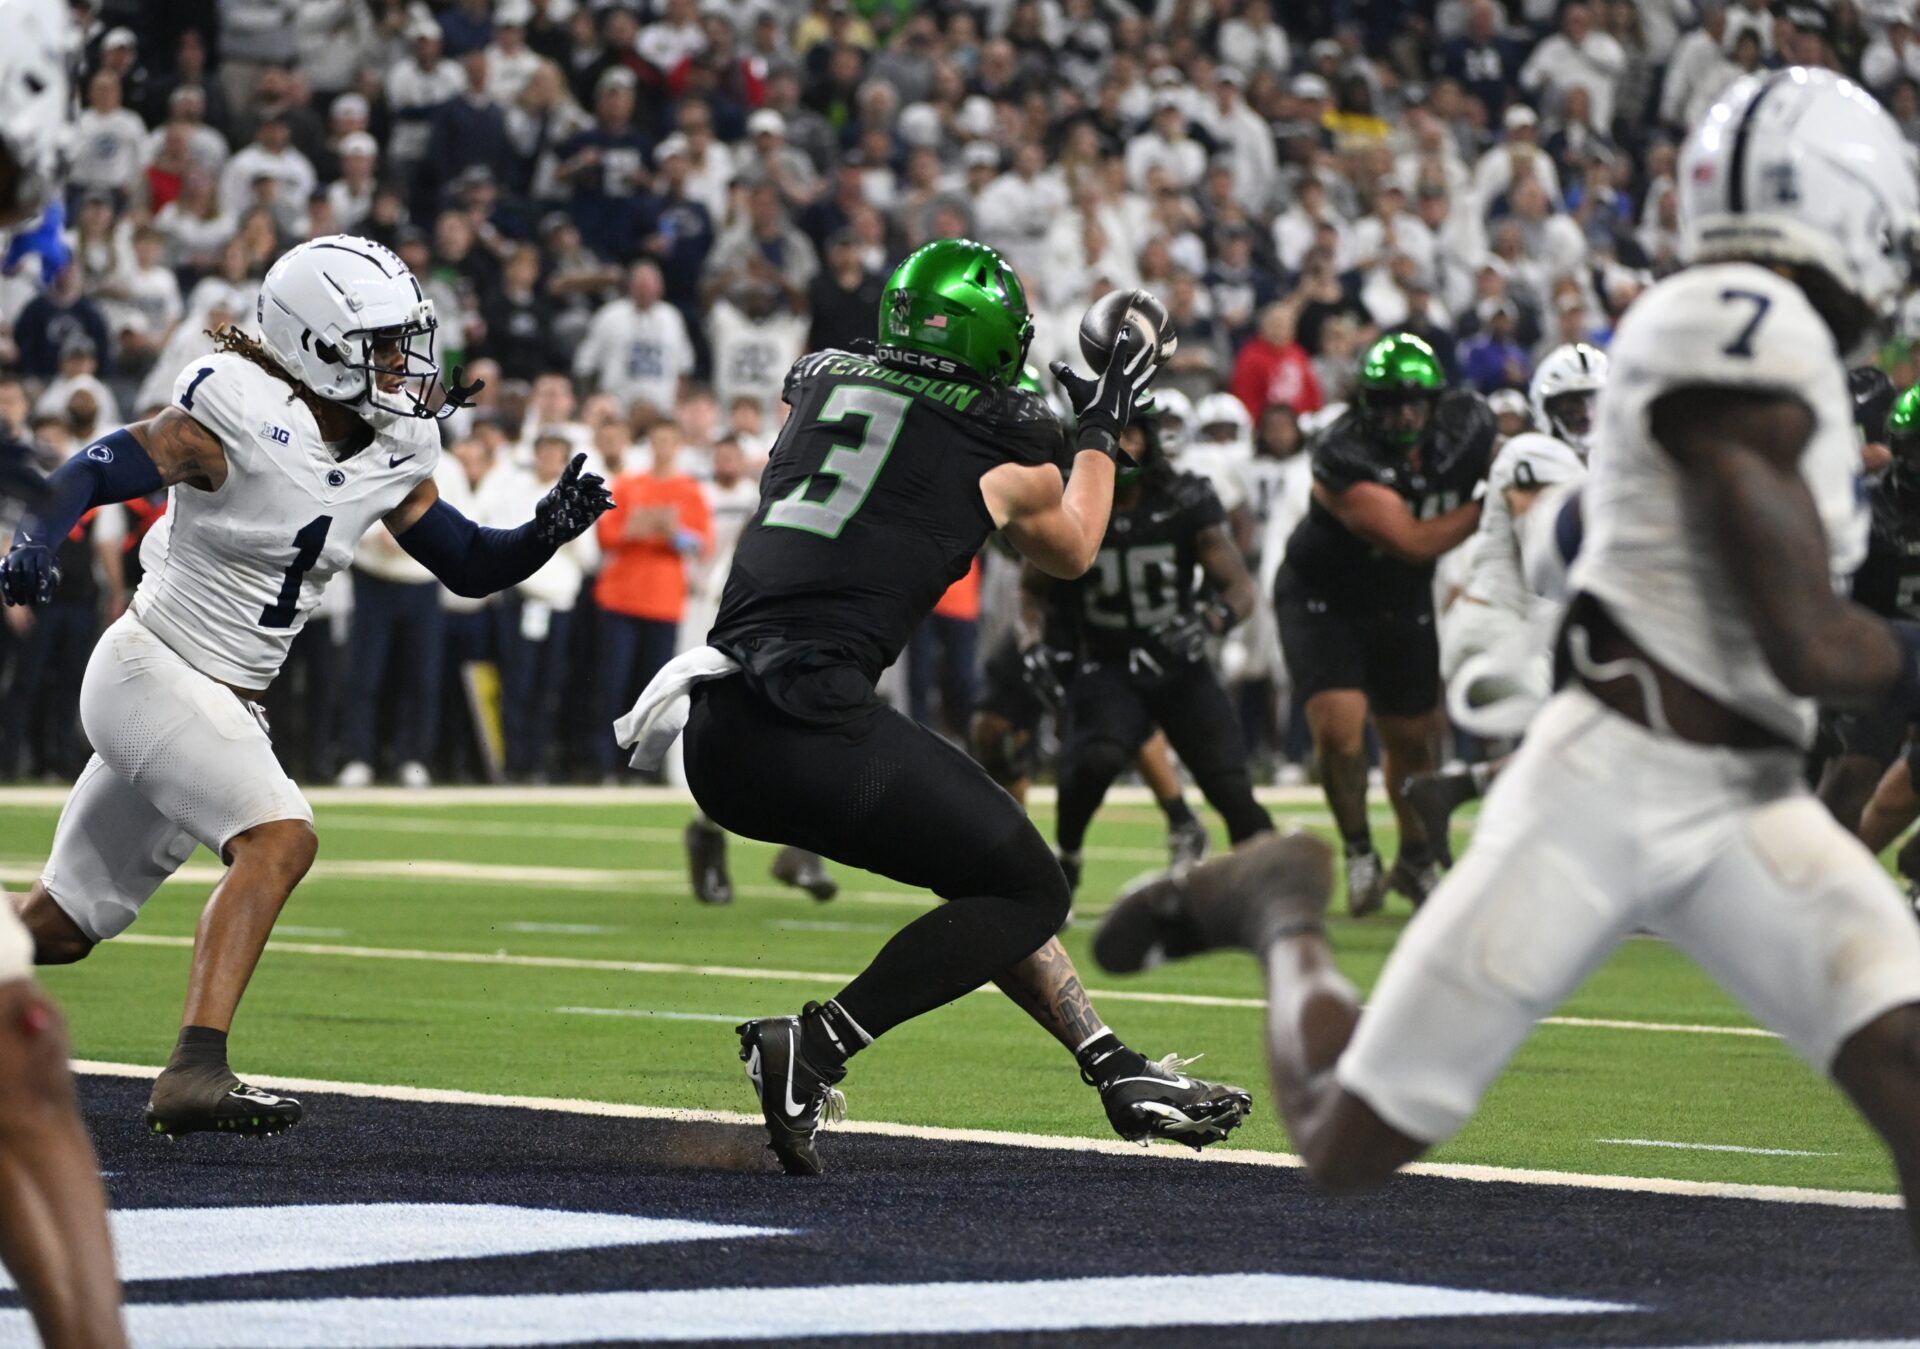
57	939
287	847
33	1054
1102	760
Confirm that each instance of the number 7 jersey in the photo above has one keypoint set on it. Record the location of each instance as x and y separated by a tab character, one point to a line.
1648	555
870	506
232	575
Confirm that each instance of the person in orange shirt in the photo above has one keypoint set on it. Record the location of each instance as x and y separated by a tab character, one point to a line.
659	519
942	654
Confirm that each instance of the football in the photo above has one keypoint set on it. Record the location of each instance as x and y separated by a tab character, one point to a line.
1100	327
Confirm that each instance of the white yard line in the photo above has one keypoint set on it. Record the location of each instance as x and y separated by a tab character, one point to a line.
731	1018
1701	1189
557	929
837	977
1712	1147
536	797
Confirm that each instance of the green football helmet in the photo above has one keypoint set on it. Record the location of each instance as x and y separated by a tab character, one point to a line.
960	300
1030	380
1903	429
1397	370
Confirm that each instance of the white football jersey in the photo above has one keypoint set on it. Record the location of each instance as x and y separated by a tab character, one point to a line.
1528	461
751	357
1729	325
232	575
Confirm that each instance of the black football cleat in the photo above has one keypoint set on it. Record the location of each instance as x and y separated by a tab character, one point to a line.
796	1099
804	870
1264	889
1187	845
1413	879
244	1110
1162	1101
1434	797
707	861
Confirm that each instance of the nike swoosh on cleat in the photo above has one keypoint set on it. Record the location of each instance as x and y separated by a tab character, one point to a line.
395	463
753	1067
793	1051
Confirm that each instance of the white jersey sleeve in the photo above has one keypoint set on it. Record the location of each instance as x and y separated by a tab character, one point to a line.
240	568
1528	462
1733	326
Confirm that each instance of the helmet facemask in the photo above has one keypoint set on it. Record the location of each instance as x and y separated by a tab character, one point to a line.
397	363
1400	417
1571	416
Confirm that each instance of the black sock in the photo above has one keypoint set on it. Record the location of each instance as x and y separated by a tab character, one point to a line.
1361	842
1414	854
1179	814
828	1036
199	1047
1104	1060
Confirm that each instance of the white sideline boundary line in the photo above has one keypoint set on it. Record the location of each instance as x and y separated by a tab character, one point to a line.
1695	1189
835	977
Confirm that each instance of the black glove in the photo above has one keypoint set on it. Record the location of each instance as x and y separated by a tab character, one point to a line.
1107	404
1184	637
1040	667
28	575
570	509
460	395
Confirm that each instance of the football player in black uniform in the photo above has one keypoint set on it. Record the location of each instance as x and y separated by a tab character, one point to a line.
889	475
1136	627
1394	482
1861	745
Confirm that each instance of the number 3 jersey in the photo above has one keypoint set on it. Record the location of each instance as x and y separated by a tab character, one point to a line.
870	507
1646	554
231	575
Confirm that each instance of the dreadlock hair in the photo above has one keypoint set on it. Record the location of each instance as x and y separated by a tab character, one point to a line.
231	338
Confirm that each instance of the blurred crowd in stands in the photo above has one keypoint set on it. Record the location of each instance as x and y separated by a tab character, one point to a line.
632	218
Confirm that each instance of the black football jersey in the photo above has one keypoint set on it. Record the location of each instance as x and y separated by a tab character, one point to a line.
1888	582
1144	574
1441	475
870	506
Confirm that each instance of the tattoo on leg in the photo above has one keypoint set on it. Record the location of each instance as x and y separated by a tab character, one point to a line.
1046	987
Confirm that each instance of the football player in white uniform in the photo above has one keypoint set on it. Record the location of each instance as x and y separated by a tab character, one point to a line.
279	451
53	1208
1496	640
1662	787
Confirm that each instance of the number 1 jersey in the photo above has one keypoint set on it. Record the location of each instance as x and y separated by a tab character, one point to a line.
231	575
870	506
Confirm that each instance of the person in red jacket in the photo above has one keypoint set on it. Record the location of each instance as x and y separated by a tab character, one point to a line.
1273	368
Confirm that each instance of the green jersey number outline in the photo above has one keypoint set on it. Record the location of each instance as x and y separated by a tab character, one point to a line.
856	467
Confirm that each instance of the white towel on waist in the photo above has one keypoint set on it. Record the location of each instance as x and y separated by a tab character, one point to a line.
656	721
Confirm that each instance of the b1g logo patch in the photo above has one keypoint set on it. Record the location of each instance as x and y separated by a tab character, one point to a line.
279	435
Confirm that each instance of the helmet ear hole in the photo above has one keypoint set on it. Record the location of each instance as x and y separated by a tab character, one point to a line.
328	353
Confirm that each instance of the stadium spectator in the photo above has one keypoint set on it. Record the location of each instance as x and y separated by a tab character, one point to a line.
416	87
109	142
659	520
754	341
763	247
395	646
606	167
941	657
54	320
1493	358
843	302
534	620
637	347
1579	55
1273	369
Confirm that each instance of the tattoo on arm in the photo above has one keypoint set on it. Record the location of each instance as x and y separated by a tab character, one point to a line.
183	450
1046	987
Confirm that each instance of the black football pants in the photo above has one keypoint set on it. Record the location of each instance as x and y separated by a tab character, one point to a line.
879	792
1111	712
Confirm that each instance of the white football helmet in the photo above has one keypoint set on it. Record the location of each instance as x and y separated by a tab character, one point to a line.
1803	168
1222	409
1562	391
36	100
345	316
1175	412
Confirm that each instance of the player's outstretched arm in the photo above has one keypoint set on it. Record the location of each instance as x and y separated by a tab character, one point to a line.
1380	516
138	461
475	561
1740	451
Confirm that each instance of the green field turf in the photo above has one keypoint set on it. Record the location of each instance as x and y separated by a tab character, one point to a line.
605	882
